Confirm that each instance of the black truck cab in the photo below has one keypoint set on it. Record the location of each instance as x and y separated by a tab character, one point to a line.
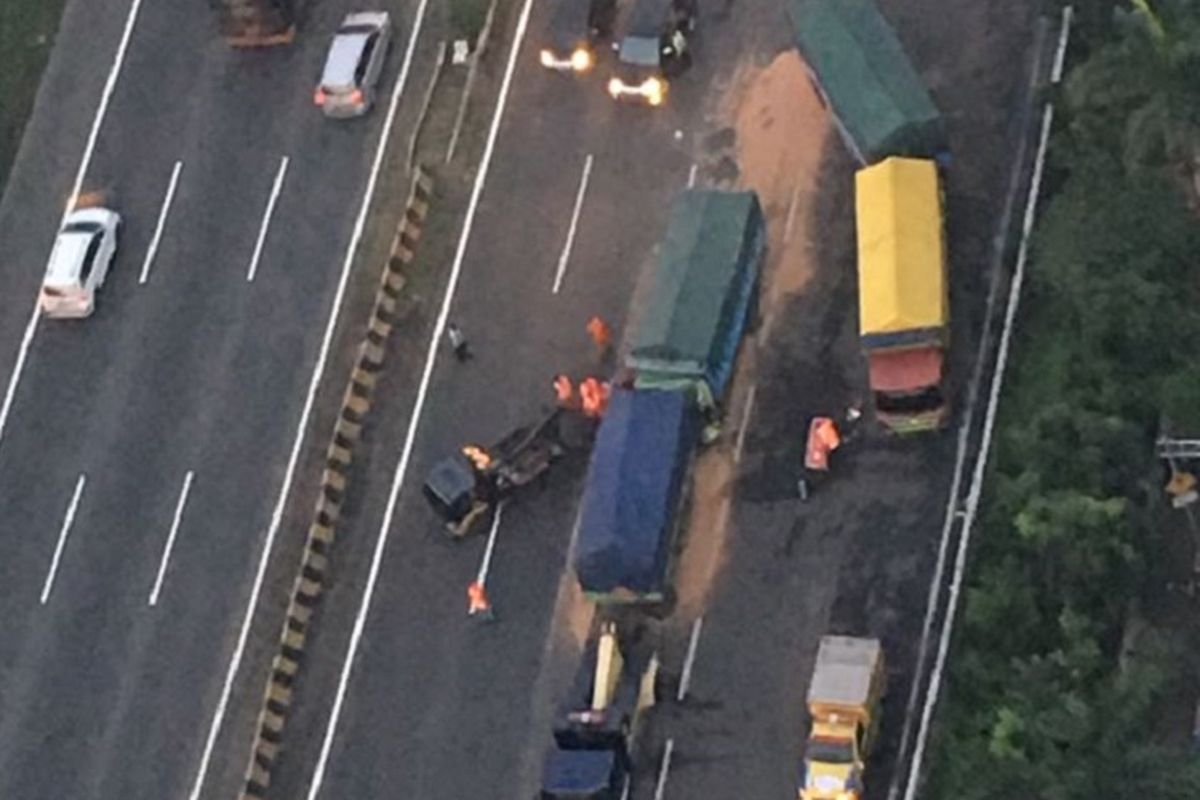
577	27
655	47
465	485
591	756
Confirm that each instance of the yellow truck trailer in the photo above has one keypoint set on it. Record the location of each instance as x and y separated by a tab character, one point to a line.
848	683
904	306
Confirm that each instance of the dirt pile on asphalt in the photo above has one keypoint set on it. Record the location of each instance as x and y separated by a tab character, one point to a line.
782	129
780	135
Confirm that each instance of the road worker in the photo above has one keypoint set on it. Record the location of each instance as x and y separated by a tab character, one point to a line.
477	602
478	456
458	342
823	439
564	392
594	395
601	335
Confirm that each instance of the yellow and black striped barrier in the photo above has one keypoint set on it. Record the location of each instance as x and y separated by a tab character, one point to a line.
314	562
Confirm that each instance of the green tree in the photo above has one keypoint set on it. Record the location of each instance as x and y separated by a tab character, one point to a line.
1142	88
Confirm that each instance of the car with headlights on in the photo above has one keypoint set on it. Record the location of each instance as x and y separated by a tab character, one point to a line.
656	47
577	27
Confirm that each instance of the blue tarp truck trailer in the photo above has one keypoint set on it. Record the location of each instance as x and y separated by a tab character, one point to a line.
632	498
703	292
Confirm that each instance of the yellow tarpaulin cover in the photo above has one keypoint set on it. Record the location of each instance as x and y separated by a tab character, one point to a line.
901	255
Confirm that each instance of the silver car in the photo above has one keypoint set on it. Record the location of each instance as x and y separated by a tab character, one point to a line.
352	68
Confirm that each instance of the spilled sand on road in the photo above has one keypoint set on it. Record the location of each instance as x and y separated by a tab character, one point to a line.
781	134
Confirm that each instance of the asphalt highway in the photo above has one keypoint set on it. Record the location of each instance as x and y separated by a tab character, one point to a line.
437	706
197	371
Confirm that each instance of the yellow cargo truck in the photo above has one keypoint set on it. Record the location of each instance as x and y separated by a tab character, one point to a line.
904	304
843	702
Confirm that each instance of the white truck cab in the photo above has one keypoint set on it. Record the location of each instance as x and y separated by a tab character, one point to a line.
79	262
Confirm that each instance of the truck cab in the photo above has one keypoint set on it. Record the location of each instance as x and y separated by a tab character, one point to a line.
833	761
462	487
591	757
847	687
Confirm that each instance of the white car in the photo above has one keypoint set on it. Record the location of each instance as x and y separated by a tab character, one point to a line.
79	262
352	68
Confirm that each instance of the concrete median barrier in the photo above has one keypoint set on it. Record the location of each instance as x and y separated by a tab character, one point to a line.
347	431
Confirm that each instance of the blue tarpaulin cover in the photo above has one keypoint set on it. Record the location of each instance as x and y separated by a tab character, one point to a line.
633	488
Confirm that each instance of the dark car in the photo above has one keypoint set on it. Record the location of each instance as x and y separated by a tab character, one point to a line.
655	47
576	29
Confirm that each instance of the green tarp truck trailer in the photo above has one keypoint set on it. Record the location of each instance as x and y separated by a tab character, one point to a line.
861	71
705	285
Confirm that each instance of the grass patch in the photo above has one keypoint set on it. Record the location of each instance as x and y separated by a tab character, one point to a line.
27	30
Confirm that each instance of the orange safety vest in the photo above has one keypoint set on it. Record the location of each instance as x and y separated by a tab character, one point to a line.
599	331
595	397
823	439
477	600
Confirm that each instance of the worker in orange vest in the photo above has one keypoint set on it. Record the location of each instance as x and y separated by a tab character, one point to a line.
477	602
564	391
601	335
594	395
823	439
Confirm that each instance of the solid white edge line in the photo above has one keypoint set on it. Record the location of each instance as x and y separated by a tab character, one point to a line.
973	495
660	788
953	499
570	243
481	576
741	435
685	678
72	507
266	221
170	545
31	327
162	222
692	176
314	384
415	418
935	676
1060	54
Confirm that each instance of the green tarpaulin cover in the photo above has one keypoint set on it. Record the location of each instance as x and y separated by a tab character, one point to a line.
881	104
704	283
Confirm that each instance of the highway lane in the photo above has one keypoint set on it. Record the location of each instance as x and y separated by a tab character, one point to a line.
432	693
199	370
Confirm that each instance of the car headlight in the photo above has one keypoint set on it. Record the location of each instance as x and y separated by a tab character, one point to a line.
614	86
654	89
547	58
581	59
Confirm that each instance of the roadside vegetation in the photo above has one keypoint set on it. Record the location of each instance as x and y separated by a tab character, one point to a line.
27	29
1069	673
